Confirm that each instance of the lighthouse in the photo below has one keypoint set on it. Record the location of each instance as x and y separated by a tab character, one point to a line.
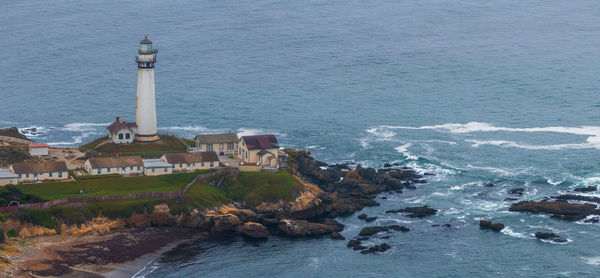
145	112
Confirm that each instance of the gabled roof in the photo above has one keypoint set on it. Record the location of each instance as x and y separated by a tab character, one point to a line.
155	163
116	126
43	167
259	142
121	161
216	138
188	158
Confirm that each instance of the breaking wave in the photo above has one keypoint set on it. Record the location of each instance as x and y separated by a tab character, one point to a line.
592	141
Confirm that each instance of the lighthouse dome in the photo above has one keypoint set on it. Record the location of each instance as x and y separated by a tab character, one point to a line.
146	45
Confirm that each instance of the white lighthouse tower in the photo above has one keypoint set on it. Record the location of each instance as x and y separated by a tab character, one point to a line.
145	112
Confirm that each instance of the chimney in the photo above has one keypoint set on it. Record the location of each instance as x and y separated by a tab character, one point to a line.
123	122
117	119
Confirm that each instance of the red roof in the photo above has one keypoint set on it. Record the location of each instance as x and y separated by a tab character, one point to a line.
116	125
259	142
38	145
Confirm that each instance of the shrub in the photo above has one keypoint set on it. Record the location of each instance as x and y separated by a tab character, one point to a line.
12	233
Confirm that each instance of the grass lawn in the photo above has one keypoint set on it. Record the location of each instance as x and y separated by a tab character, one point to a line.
256	187
167	144
109	186
203	196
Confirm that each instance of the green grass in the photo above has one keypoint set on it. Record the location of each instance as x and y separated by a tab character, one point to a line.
202	196
256	187
109	186
167	144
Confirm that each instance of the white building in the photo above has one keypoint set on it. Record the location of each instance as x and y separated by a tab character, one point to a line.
145	114
38	149
121	132
154	167
8	177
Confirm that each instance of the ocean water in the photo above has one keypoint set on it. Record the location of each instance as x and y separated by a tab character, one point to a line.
474	92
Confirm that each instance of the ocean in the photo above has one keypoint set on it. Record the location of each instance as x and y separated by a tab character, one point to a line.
472	91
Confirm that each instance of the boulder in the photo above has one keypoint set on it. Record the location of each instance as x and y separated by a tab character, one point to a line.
355	244
415	211
253	230
367	218
489	184
225	223
485	224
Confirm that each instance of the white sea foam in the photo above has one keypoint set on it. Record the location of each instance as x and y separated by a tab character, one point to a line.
76	127
592	141
246	131
404	151
591	260
381	133
508	231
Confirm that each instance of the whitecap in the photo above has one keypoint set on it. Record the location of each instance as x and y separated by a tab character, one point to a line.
83	126
592	141
381	132
591	260
404	151
508	231
195	128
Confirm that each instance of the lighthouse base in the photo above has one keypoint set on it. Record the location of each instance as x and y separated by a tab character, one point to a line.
141	138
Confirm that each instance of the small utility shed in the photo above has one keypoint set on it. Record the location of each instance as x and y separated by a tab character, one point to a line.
154	167
181	162
124	165
38	149
8	177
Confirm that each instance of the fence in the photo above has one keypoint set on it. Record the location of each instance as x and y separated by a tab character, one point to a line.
17	140
146	195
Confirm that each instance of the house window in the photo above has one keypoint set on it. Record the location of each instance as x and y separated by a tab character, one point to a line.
27	175
131	168
193	163
50	174
60	174
99	171
152	170
120	136
230	146
209	147
166	169
138	168
179	165
202	164
108	169
127	136
19	175
212	164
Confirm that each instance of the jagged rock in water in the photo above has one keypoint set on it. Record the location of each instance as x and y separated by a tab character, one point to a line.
550	236
485	224
415	211
355	244
369	231
516	191
590	188
377	248
367	218
303	228
558	210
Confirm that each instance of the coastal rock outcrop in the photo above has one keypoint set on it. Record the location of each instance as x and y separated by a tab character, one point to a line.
557	209
369	231
303	228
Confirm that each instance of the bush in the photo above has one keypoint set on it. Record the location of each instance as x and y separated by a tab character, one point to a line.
12	233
